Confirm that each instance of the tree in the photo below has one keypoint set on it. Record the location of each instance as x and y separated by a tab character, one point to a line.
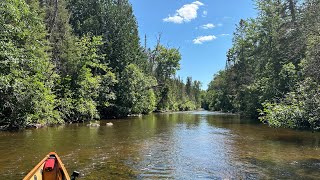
197	93
115	22
83	87
298	109
59	32
167	63
271	65
26	75
311	25
218	93
137	93
189	87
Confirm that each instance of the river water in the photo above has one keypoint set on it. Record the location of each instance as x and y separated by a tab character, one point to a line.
189	145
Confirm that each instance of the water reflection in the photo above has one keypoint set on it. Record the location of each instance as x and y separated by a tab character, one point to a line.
279	153
189	145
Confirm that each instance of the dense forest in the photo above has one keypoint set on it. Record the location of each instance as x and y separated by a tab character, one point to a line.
77	60
273	68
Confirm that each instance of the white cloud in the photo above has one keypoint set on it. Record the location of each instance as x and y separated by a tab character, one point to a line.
204	13
220	24
186	13
224	34
174	19
208	26
202	39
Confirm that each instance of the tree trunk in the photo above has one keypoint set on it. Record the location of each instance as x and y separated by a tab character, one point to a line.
292	11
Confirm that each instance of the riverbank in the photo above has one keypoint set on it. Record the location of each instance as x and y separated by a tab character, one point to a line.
39	125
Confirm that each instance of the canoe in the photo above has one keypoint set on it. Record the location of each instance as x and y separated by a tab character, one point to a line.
49	168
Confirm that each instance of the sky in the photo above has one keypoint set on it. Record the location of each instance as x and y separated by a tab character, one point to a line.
202	30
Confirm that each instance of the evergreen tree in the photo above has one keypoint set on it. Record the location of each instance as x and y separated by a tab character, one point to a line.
189	87
271	65
26	75
84	84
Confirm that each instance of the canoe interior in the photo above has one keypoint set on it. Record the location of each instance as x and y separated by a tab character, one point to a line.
58	172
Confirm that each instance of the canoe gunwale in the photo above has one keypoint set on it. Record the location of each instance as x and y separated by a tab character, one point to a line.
36	168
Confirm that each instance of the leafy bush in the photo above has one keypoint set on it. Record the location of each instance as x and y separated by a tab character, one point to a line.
299	109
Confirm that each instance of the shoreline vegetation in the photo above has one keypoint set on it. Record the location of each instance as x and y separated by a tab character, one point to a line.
94	123
273	68
72	61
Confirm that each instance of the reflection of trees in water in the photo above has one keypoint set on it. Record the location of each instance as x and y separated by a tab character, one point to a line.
268	152
183	118
242	149
169	121
300	169
224	120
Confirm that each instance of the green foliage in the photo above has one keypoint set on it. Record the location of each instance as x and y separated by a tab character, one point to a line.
115	22
187	106
299	109
311	24
137	95
26	75
217	94
59	31
288	76
84	82
54	72
272	55
167	63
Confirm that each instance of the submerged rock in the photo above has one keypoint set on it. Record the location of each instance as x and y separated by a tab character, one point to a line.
93	125
109	124
35	125
135	115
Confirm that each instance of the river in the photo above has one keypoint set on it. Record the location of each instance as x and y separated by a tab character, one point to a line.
188	145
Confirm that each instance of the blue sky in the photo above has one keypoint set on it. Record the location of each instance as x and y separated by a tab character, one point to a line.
202	30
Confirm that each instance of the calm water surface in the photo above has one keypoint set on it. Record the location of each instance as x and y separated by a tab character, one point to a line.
190	145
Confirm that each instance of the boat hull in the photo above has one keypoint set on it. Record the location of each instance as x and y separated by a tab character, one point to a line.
49	168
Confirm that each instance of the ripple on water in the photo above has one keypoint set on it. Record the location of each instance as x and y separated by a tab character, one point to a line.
189	145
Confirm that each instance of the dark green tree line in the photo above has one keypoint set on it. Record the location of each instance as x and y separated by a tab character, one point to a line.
77	60
271	66
26	73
